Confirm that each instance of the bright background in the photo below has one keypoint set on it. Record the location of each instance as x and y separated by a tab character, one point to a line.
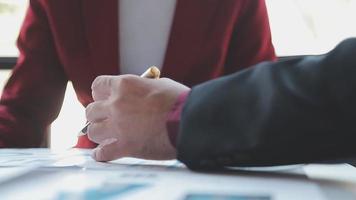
299	27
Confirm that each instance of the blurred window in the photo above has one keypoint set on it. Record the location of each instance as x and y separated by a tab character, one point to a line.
11	15
302	27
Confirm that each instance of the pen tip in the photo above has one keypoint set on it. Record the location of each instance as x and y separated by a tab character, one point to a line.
84	130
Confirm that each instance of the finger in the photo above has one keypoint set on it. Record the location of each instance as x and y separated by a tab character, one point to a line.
97	111
110	149
98	132
101	87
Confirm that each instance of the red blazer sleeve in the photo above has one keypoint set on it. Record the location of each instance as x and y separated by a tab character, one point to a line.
251	41
33	95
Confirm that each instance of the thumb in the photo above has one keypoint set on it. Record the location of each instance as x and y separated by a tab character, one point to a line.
108	150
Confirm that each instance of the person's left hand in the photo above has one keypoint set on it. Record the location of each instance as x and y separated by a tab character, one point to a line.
128	117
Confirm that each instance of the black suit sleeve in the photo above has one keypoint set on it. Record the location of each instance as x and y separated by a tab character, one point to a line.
296	111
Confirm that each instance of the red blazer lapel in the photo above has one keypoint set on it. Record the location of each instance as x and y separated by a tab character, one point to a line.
189	34
101	29
189	39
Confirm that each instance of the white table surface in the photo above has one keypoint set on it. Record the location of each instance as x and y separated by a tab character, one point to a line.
44	174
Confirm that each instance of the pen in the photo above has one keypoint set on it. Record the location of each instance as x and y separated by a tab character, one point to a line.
152	72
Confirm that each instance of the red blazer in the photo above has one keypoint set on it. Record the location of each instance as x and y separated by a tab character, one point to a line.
77	40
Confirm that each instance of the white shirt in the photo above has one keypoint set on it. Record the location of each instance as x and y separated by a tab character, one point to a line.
144	30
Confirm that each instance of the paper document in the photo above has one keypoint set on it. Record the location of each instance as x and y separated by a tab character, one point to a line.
74	174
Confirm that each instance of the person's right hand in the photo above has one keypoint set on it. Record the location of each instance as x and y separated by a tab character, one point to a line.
128	117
